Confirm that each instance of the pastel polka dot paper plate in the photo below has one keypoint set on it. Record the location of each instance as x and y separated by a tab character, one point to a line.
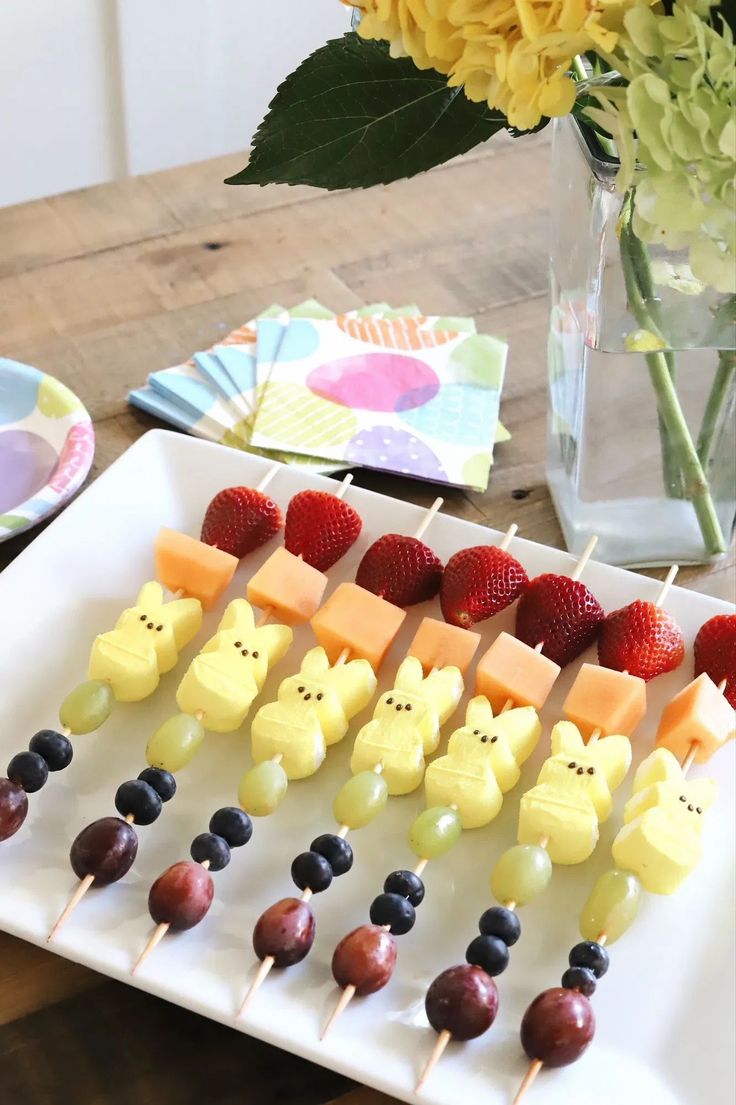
46	446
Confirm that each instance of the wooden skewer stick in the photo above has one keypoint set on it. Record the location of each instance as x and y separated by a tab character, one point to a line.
344	485
508	537
666	584
76	898
153	941
534	1068
437	1052
346	997
266	479
426	520
585	556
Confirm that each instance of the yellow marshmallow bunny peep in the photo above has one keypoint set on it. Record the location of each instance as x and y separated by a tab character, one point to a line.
228	673
145	643
663	821
406	724
573	793
313	710
482	761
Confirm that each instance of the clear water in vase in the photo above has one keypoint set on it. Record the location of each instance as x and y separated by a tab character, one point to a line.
611	465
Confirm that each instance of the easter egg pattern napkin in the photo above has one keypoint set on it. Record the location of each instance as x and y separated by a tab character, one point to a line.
220	394
401	392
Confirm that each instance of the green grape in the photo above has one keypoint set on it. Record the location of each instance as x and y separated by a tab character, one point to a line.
611	907
360	799
521	873
86	707
435	832
175	743
262	789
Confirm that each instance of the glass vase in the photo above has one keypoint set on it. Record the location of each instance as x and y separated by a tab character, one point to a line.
641	433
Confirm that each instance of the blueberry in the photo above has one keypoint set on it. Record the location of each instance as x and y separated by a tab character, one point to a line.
591	955
138	798
407	884
163	782
581	979
210	847
335	850
55	748
488	952
28	770
311	871
233	825
500	922
395	911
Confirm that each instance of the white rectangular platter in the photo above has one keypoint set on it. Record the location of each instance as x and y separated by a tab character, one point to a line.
665	1010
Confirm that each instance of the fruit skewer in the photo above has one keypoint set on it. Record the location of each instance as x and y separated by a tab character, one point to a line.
127	662
560	815
215	694
312	710
388	754
464	788
656	849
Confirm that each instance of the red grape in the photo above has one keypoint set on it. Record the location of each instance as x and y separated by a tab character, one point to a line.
181	896
462	1001
365	959
285	931
106	849
557	1027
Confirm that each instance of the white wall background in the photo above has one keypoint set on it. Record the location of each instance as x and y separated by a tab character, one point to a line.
91	90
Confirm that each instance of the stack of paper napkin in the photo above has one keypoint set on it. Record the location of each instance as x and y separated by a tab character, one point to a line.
381	387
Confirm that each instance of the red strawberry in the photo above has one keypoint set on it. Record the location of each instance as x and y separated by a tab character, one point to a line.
715	652
320	528
561	612
478	582
239	519
641	639
400	569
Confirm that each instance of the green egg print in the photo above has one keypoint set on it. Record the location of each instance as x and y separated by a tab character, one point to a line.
479	360
476	471
292	413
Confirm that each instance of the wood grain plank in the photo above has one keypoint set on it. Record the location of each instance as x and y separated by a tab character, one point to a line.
177	270
32	979
115	1045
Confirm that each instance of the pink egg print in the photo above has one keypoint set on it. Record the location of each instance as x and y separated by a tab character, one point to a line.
375	382
394	450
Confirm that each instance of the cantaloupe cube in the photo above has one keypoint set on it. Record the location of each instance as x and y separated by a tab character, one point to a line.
604	699
185	564
512	670
699	714
437	644
288	585
358	620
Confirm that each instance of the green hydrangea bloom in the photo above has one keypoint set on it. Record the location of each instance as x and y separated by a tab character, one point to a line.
674	124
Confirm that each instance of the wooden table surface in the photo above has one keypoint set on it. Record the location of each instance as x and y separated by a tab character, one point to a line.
101	287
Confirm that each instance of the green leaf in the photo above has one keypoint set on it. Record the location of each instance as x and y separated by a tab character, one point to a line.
352	116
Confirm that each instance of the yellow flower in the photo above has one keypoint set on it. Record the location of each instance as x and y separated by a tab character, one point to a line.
514	54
